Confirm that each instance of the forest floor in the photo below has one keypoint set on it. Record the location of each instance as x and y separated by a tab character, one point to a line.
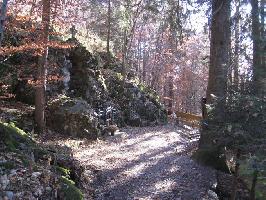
145	163
136	163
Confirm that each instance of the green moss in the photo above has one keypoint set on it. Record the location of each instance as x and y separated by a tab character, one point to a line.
150	92
13	136
119	76
8	165
246	173
69	190
25	161
63	171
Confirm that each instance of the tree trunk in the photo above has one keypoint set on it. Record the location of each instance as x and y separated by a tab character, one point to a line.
237	45
259	71
219	58
209	152
42	68
263	36
171	92
236	174
253	186
124	61
108	32
2	20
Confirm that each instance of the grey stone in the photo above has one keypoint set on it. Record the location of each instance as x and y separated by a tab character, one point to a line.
74	117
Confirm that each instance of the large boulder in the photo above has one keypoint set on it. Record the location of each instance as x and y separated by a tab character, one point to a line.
73	117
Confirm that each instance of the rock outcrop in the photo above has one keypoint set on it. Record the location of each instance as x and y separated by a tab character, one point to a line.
74	117
103	87
96	92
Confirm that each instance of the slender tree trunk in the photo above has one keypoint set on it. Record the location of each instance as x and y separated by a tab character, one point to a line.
253	186
139	59
124	61
263	36
2	20
235	183
219	58
108	32
171	92
144	61
259	71
237	45
42	70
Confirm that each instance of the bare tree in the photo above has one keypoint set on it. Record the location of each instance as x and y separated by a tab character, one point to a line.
42	69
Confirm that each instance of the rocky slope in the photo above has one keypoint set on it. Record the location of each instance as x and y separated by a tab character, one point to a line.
29	170
79	82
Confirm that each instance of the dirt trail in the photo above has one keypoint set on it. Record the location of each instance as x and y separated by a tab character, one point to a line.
147	163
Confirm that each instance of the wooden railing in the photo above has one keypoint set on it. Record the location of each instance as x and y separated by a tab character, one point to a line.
190	119
188	116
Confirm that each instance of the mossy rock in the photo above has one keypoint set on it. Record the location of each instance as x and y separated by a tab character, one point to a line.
73	117
7	165
68	190
43	154
13	136
211	156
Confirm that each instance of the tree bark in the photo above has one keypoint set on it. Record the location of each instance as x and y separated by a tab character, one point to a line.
219	58
262	15
253	186
236	174
217	83
171	93
108	32
2	20
124	59
237	46
42	70
259	71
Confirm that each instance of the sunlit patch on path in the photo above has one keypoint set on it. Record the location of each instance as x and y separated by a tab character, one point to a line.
147	163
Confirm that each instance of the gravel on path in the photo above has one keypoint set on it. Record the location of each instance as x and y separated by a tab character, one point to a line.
148	163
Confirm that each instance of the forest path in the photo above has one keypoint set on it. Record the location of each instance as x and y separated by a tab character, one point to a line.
147	163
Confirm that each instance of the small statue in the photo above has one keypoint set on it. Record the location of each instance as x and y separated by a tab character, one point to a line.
73	32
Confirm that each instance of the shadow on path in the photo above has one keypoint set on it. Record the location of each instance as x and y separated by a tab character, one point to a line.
147	163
